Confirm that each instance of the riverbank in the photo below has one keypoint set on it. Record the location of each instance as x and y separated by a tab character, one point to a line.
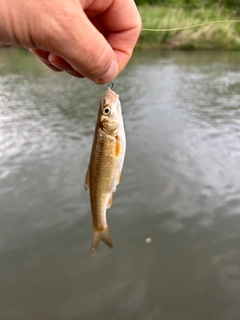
218	36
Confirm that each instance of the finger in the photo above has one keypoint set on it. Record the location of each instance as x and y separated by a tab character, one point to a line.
62	64
55	62
124	28
87	51
43	56
84	48
120	24
49	65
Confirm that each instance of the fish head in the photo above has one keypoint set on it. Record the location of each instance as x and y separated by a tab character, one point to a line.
110	113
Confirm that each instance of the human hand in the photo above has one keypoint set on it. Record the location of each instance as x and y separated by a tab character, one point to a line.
86	38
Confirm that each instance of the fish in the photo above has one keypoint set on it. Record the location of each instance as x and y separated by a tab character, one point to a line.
105	166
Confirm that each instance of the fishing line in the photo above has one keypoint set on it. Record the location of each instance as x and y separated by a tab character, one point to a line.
191	26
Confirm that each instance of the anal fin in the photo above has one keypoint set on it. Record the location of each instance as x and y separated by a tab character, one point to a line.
118	177
109	201
87	180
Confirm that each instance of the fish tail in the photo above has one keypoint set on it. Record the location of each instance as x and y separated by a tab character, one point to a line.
97	236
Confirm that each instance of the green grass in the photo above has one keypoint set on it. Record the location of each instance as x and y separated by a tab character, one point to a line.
219	36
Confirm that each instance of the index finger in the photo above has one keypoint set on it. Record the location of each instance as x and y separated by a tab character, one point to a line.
123	24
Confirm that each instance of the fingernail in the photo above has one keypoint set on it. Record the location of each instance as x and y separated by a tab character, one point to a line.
110	74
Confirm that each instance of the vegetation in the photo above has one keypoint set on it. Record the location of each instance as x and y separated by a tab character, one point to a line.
233	5
168	14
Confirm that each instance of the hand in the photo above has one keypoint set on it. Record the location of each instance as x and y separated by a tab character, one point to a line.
86	38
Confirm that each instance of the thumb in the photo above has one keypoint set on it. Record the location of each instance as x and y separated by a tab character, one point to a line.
86	50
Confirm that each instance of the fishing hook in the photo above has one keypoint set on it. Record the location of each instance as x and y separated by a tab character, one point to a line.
112	85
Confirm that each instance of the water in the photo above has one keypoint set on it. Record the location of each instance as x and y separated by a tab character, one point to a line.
180	187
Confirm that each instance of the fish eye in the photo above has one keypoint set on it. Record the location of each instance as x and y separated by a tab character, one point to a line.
106	111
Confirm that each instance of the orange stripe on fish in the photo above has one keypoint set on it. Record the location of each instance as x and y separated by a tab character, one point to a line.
118	146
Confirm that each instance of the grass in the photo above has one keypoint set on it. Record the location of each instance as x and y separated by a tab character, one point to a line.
219	36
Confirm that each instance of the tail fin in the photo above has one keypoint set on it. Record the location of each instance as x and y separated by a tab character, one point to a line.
98	236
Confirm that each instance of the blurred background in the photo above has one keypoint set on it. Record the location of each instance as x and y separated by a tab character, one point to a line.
168	14
179	187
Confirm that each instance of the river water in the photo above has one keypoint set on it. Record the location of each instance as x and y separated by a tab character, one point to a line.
180	187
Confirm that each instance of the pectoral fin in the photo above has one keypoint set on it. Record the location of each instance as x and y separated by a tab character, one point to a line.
87	181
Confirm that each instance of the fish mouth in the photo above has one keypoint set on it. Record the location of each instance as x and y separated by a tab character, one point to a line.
110	95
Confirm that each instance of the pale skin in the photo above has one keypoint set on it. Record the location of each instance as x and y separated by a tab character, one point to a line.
86	38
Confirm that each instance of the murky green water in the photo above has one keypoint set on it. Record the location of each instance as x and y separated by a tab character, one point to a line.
180	187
